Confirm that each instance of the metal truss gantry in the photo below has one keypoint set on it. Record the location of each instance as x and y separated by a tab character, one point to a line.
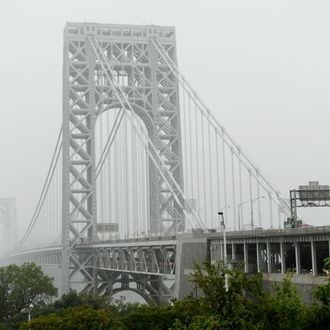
152	91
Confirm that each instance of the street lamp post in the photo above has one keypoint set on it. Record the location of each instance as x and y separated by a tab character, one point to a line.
29	311
222	210
222	223
239	211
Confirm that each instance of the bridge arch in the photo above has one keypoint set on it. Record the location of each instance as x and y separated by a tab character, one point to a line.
142	112
147	298
122	182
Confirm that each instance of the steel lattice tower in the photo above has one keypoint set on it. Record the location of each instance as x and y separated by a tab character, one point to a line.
152	90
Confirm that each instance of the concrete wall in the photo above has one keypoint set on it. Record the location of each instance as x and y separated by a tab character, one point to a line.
191	249
305	284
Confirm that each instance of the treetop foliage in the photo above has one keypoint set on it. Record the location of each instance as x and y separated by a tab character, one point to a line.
244	305
21	286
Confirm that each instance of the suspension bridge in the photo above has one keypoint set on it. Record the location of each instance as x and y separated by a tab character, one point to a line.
139	162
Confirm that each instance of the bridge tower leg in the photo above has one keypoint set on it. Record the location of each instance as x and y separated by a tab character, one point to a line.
153	92
79	197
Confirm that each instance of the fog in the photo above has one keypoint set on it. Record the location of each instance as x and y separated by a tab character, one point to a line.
261	66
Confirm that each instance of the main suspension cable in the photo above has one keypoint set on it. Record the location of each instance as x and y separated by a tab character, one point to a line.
214	122
158	161
50	173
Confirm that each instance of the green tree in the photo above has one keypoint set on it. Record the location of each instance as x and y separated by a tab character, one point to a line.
77	318
200	322
236	307
21	286
146	317
319	313
74	299
283	308
322	293
150	317
187	309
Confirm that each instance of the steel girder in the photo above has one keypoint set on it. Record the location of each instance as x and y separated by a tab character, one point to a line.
153	92
149	271
149	260
51	256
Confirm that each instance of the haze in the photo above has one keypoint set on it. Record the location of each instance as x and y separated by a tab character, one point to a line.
261	66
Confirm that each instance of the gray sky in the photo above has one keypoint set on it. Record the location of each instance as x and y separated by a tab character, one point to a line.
262	67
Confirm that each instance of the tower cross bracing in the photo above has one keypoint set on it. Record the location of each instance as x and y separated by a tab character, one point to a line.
152	91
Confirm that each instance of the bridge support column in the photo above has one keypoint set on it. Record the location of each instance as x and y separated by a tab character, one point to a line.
297	254
258	257
313	252
190	249
283	270
246	258
269	265
233	251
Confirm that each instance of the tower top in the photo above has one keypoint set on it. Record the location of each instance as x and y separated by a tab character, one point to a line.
119	31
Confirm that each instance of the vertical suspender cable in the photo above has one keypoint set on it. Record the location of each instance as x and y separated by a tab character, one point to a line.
100	190
224	177
233	187
217	169
184	132
239	209
279	217
107	174
212	211
123	205
146	204
59	208
251	200
115	184
127	205
120	179
138	190
142	168
259	201
173	66
134	182
53	211
203	167
165	174
122	165
56	207
191	167
197	161
58	204
111	177
46	224
270	211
